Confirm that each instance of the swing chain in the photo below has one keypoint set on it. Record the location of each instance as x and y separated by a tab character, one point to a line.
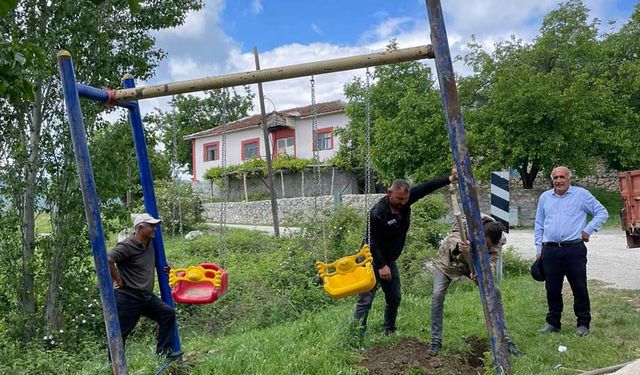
367	163
225	177
316	167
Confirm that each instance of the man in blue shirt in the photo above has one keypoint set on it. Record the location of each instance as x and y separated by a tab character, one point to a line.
561	230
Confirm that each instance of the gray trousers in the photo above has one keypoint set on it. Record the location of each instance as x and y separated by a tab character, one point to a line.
440	285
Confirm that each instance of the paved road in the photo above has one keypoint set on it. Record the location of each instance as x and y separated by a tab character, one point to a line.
608	258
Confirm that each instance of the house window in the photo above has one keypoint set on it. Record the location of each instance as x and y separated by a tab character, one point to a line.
250	149
324	140
211	151
285	146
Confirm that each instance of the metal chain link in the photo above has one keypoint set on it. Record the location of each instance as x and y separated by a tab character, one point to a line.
316	167
367	160
225	177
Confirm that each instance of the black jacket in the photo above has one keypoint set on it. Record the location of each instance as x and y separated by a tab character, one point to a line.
389	230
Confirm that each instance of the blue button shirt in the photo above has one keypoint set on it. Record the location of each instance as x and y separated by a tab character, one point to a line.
563	218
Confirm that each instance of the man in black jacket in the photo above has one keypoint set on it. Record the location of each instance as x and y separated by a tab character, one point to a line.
390	220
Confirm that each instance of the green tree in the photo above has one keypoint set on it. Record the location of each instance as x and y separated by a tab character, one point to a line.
191	114
36	142
533	106
621	73
117	170
409	138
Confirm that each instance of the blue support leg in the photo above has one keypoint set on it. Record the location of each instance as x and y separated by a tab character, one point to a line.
150	204
467	184
92	212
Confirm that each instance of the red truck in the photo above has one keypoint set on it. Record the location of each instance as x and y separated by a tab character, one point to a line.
630	213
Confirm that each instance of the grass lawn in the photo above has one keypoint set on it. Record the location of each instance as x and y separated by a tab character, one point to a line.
318	344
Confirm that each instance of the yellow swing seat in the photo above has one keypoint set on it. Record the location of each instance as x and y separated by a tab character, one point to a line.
348	275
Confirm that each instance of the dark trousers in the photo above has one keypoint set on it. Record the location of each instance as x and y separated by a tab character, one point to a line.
571	262
131	307
392	297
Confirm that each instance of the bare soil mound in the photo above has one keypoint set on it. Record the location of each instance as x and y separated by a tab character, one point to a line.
410	356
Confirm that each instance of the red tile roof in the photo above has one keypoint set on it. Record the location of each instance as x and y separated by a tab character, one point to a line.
255	120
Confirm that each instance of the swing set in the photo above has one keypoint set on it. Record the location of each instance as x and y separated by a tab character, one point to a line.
206	282
352	274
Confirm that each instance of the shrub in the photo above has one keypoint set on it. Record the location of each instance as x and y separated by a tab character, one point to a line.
513	264
179	206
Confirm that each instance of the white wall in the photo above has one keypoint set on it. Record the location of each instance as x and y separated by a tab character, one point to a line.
234	149
303	142
304	135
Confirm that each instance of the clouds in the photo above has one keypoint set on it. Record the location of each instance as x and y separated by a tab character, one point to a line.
219	39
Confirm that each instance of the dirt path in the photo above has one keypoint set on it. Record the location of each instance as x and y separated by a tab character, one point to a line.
609	260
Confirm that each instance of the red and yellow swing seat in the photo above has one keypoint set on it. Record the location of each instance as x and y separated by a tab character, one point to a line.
348	275
200	284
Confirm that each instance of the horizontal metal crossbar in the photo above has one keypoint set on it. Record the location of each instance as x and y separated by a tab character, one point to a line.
276	74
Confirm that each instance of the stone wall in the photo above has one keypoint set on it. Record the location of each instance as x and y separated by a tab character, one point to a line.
292	210
522	205
286	184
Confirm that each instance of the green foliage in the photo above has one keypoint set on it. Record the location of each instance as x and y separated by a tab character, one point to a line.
259	166
116	168
15	60
612	201
560	100
621	72
275	311
514	265
180	207
408	137
39	169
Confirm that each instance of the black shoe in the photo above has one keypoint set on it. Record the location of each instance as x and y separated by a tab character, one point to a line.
549	329
434	348
582	331
389	332
513	349
172	356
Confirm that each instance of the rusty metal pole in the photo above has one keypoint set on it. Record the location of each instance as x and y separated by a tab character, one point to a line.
276	74
492	313
267	148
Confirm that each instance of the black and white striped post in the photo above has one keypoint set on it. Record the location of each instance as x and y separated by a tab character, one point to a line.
500	206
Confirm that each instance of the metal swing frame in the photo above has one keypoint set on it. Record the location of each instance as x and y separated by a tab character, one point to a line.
128	97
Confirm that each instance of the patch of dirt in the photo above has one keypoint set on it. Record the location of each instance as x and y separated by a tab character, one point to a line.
477	348
410	356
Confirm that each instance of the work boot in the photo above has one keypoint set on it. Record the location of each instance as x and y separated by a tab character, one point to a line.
434	348
582	331
549	329
389	332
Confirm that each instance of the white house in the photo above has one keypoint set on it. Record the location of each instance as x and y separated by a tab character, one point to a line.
290	133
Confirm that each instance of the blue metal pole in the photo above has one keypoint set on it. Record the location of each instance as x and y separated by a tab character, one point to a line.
457	138
92	212
100	95
148	192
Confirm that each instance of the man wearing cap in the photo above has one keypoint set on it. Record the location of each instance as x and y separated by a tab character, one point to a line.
560	232
450	264
132	266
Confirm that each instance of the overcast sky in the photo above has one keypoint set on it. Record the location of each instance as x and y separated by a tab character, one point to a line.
220	38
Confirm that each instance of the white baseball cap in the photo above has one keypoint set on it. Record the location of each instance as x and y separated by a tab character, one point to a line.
145	218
